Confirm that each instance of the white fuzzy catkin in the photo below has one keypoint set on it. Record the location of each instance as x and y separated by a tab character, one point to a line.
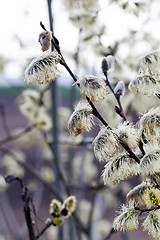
148	81
119	88
150	163
127	219
119	169
136	194
150	64
105	145
108	64
149	125
70	205
81	119
146	85
43	69
152	197
93	87
152	224
127	133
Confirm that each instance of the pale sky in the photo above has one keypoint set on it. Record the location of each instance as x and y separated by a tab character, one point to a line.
19	21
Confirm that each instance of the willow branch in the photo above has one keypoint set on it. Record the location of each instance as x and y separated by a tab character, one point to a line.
45	228
26	199
141	148
55	42
95	111
147	209
29	221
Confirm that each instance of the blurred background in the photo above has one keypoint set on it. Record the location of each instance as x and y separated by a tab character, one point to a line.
87	31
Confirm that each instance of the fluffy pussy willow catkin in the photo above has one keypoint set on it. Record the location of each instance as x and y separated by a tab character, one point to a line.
119	169
127	133
152	224
146	85
81	119
154	179
93	87
119	88
136	194
150	163
152	197
69	205
150	64
127	219
149	125
43	69
105	145
148	81
55	208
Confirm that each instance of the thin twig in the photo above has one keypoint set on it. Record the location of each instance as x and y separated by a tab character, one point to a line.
87	188
63	180
90	219
147	209
12	137
141	148
131	154
45	228
29	221
26	199
63	62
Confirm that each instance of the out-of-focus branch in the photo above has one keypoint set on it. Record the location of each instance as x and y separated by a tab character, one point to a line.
4	119
15	136
86	188
147	209
63	62
26	199
64	182
90	220
34	173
